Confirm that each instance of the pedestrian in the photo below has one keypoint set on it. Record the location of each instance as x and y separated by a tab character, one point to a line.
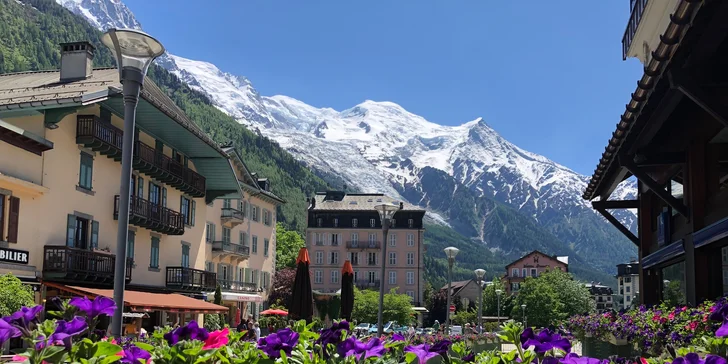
436	326
257	331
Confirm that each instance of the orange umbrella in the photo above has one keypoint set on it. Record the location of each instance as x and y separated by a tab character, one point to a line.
274	312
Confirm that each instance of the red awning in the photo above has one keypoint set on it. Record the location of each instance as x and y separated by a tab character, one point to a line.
146	301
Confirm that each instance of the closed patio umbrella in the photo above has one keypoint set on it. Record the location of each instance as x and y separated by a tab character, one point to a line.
301	306
347	291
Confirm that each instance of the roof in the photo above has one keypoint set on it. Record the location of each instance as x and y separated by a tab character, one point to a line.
680	22
358	202
248	182
562	259
457	286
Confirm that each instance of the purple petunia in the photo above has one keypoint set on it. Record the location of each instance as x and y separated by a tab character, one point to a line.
134	355
573	358
423	352
25	317
397	337
66	330
469	358
351	346
191	331
545	340
7	331
693	358
332	336
285	340
99	306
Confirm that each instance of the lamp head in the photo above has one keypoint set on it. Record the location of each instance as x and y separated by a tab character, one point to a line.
498	291
386	211
523	306
132	49
480	273
451	252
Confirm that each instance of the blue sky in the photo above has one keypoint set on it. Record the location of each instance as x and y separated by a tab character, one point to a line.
547	75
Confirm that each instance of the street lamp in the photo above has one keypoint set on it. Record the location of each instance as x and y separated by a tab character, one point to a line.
523	306
451	252
498	292
386	212
134	51
479	275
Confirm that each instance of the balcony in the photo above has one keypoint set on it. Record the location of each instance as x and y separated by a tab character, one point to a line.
191	280
231	217
76	266
363	245
152	216
638	8
225	248
237	286
367	284
106	139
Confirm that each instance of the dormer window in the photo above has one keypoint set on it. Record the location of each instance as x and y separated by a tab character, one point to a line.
354	222
392	223
319	222
372	222
336	222
352	202
411	223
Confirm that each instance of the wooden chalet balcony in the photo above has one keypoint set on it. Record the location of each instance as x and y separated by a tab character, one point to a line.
363	245
365	284
638	8
191	280
231	217
152	216
226	247
238	286
104	138
71	265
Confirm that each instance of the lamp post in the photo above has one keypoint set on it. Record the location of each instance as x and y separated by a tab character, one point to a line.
479	275
451	252
386	212
134	51
498	292
523	306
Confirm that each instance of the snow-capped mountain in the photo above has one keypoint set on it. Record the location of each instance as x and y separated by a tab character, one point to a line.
381	147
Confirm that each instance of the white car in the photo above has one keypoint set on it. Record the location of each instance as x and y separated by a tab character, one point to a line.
456	330
361	329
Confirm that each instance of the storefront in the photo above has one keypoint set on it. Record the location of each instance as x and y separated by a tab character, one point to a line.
239	305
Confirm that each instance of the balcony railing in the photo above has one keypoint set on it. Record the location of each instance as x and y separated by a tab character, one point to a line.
152	216
231	217
638	8
107	139
66	264
365	283
363	245
238	286
230	248
191	280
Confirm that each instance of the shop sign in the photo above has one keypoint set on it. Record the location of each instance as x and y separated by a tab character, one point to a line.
13	256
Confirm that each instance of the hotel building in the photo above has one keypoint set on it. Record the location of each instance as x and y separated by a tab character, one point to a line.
628	283
531	265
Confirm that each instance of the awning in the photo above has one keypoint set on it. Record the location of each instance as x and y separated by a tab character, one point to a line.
419	309
240	297
145	301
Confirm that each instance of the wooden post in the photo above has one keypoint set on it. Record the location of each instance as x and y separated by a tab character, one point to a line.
649	280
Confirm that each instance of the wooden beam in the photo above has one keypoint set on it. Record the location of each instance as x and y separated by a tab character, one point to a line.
616	204
688	87
662	159
628	162
623	229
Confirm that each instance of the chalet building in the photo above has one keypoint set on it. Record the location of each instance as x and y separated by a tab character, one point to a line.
531	265
467	291
628	283
60	142
673	139
602	296
345	226
241	242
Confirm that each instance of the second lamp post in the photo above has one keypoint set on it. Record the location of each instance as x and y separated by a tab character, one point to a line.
451	252
479	275
386	212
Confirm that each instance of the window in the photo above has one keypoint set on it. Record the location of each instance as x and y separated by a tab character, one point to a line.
319	257
410	239
372	258
410	258
514	272
627	298
266	217
318	276
392	223
81	233
393	240
626	289
244	238
209	267
372	222
85	175
335	239
372	276
410	223
336	222
226	203
255	244
334	276
392	277
515	287
185	256
187	209
354	258
333	258
154	254
372	240
392	258
627	279
254	212
534	273
319	222
524	272
410	278
210	232
356	276
226	235
319	238
130	238
354	239
266	244
354	222
411	294
673	287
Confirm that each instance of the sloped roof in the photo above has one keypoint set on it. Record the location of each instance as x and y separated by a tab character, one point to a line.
359	202
563	259
457	286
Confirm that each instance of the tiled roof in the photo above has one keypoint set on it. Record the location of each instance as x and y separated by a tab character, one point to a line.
359	202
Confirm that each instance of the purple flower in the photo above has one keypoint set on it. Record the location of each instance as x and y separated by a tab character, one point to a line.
99	306
573	358
352	346
545	340
423	352
24	317
191	331
66	330
397	337
471	358
135	355
285	339
693	358
441	347
332	335
7	331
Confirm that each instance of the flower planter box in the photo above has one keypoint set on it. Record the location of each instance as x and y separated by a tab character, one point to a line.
598	348
479	347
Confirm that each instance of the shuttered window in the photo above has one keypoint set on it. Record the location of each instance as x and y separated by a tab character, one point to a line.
186	256
154	255
85	174
94	234
130	241
13	219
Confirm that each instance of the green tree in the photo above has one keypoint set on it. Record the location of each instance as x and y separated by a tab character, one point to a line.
288	243
490	299
397	307
549	298
14	294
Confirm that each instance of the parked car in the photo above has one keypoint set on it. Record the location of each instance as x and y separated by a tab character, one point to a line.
456	330
362	329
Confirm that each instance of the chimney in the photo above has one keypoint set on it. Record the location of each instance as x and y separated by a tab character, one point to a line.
76	61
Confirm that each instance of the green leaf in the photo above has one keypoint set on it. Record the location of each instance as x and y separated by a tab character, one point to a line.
410	358
144	346
104	348
109	359
53	354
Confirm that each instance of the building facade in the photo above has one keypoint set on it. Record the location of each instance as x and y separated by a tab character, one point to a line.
531	265
628	284
672	139
344	226
241	243
60	171
602	296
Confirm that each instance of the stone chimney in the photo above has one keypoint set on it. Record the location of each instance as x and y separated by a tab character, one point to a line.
76	61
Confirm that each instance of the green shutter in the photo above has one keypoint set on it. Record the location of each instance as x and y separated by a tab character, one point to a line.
248	275
70	230
219	270
94	234
131	235
164	196
140	187
194	205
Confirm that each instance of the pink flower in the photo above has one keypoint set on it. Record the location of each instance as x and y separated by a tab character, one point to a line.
19	358
671	316
693	325
217	339
685	308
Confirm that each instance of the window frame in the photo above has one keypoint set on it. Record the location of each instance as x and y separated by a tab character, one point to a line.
87	172
154	258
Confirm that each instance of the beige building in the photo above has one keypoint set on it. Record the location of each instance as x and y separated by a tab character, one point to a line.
241	242
345	226
60	170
